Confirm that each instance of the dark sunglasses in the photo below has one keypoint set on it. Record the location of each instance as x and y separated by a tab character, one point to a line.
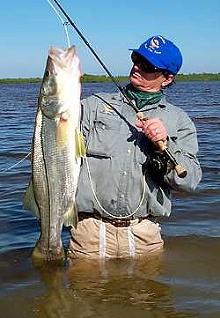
146	66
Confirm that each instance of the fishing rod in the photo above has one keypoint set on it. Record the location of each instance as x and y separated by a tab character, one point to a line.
95	54
181	171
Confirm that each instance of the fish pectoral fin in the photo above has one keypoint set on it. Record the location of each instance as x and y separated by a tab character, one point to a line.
80	144
29	202
71	216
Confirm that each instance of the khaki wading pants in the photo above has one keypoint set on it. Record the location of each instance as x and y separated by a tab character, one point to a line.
94	238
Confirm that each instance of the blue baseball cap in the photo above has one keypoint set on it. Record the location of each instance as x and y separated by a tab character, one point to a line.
161	53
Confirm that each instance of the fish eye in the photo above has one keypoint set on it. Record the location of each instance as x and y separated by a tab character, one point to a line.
47	73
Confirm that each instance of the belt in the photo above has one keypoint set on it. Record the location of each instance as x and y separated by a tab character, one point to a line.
115	222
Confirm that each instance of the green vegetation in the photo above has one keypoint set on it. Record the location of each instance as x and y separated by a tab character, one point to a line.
89	78
20	80
198	77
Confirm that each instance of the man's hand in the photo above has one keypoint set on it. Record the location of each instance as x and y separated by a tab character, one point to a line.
153	128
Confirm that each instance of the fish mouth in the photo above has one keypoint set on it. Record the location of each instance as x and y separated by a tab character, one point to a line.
62	58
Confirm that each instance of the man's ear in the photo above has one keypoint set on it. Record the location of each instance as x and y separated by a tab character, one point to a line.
168	79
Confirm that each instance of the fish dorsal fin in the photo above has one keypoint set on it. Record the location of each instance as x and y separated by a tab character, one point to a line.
80	144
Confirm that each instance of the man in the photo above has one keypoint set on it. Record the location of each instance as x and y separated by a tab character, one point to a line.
125	180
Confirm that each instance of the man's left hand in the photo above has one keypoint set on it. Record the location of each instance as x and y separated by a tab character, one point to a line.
153	128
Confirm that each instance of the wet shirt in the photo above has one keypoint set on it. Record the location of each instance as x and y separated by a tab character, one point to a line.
115	178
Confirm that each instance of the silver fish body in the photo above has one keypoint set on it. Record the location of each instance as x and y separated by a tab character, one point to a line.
55	165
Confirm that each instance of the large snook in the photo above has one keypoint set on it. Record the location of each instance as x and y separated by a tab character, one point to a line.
55	164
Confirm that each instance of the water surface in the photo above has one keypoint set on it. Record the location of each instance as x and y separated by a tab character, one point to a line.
182	282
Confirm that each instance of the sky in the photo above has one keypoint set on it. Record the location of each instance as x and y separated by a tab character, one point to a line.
29	27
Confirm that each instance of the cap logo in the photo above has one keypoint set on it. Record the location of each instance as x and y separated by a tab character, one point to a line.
155	44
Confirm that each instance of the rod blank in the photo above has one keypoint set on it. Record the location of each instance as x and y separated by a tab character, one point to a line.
181	171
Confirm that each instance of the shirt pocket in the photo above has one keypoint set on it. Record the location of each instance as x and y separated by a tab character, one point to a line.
104	135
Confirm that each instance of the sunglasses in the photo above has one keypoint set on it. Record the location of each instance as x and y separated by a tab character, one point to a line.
145	66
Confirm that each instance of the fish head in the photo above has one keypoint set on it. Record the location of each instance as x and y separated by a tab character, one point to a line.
61	82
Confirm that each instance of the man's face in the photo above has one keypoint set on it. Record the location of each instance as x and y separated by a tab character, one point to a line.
145	77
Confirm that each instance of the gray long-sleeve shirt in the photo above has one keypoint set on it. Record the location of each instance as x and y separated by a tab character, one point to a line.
117	181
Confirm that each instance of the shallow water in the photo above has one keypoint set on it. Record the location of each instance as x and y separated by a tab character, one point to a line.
182	282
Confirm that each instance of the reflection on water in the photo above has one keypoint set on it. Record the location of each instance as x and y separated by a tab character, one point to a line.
102	289
128	288
179	282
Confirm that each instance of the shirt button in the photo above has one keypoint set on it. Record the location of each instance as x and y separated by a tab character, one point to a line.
129	150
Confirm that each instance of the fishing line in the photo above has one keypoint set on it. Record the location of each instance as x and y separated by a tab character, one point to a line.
99	203
16	164
64	23
96	55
